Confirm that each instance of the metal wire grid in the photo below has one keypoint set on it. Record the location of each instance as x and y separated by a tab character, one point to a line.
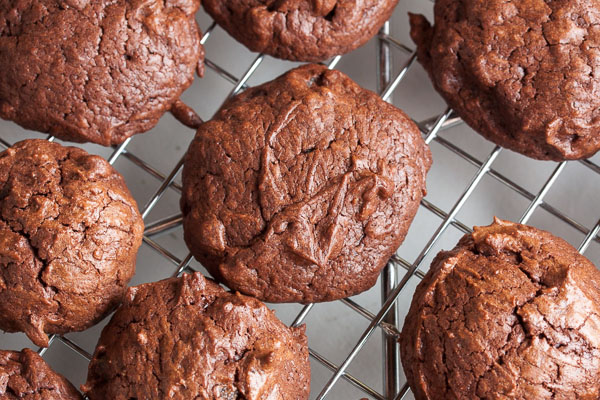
386	318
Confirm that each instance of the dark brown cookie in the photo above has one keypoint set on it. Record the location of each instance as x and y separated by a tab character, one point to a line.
301	189
69	235
301	30
187	338
25	375
524	74
512	312
97	71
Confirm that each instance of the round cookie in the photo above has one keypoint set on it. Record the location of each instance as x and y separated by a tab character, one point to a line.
25	375
301	30
301	189
524	74
69	235
95	71
187	338
511	312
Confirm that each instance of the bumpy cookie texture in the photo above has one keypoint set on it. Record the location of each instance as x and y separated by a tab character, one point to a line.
301	189
511	312
301	30
525	74
187	338
69	235
25	375
97	71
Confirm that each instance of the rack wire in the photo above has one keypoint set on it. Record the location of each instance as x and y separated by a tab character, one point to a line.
399	271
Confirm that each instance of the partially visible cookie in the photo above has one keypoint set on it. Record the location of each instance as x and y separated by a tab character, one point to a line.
301	30
25	375
512	312
524	74
187	338
95	71
69	235
301	189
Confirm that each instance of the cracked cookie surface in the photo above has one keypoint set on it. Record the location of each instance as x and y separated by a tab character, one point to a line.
301	189
25	375
97	71
187	338
511	312
525	74
301	30
69	235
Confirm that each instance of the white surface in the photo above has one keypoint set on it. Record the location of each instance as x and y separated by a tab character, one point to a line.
333	328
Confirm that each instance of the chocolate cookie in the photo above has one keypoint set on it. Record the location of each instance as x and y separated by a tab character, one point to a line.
522	73
25	375
301	30
187	338
511	312
97	71
301	189
69	235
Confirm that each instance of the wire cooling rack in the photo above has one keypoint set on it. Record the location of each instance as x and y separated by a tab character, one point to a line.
353	342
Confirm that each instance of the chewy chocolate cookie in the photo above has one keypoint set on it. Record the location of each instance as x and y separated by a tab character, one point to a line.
301	189
25	375
301	30
524	74
69	235
511	312
95	71
187	338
